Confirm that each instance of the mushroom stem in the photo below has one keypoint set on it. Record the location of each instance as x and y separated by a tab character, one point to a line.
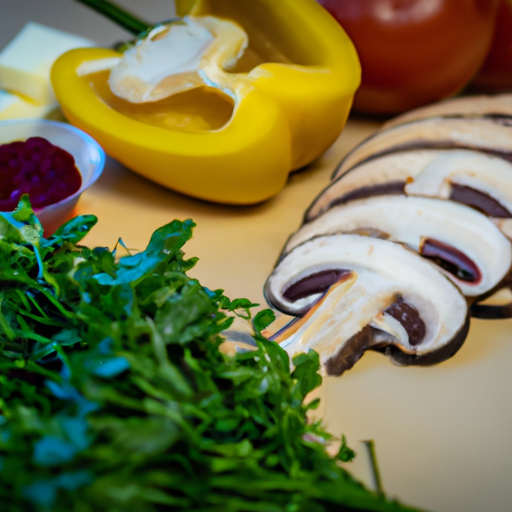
332	329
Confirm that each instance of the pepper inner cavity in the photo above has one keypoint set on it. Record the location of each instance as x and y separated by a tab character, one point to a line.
196	110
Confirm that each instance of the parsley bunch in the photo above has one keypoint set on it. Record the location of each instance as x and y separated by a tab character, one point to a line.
114	396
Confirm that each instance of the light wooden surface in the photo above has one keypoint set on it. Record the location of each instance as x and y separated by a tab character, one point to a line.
443	434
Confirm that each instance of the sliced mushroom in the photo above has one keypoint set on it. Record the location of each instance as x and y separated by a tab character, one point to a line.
474	178
466	244
491	311
465	106
495	305
491	135
470	177
374	294
384	175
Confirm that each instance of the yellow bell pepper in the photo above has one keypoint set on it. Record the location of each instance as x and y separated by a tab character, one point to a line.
290	96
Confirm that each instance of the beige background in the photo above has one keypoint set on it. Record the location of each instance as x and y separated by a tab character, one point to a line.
443	434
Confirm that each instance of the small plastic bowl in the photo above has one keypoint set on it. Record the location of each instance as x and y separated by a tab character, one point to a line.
88	154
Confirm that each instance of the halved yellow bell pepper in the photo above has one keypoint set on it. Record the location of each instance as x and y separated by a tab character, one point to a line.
203	143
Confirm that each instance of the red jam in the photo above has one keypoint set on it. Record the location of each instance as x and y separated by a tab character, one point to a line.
36	167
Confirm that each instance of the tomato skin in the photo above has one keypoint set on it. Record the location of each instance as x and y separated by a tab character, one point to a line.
414	52
496	73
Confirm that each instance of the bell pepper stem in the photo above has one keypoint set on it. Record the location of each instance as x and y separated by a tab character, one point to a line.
118	14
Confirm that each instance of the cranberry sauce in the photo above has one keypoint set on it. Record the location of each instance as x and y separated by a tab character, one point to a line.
479	200
36	167
409	317
451	259
318	282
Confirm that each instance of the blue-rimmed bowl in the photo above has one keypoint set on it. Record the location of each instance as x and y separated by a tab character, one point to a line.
88	154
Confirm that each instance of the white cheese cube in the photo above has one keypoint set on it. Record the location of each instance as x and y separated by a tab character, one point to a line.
26	61
13	106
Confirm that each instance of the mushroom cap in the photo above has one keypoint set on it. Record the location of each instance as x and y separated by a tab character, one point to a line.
465	106
402	358
372	178
412	221
489	134
378	274
471	177
488	176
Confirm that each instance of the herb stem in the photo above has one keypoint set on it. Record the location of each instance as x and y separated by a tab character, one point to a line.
118	14
377	482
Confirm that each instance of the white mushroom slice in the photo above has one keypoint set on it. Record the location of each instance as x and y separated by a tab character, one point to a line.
382	279
182	55
467	176
475	254
505	226
465	106
492	135
384	175
474	178
496	306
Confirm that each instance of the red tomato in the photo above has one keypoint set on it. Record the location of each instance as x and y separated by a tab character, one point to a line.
414	52
496	73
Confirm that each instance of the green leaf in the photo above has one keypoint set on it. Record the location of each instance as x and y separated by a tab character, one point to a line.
263	319
345	454
114	395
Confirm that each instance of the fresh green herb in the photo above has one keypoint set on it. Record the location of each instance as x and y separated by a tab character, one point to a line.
370	447
114	396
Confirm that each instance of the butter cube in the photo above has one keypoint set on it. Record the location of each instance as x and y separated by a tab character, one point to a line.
13	106
26	61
